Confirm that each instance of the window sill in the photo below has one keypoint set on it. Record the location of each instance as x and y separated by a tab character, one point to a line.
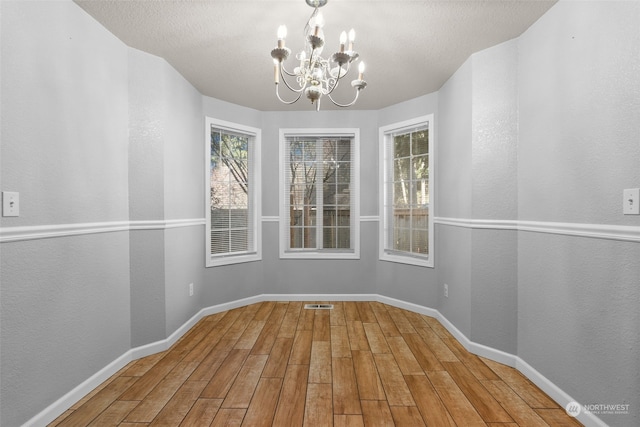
403	259
319	255
233	259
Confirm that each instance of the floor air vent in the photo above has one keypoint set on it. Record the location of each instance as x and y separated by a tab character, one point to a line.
318	306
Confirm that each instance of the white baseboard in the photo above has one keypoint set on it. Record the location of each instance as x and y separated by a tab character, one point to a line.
318	297
54	410
556	393
407	305
65	402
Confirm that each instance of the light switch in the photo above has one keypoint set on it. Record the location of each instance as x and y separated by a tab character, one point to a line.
631	201
10	203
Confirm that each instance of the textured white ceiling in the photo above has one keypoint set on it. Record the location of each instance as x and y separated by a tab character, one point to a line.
223	46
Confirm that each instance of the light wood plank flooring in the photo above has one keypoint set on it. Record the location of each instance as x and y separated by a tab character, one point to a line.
278	364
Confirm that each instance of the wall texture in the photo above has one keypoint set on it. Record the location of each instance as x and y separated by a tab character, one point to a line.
494	148
579	147
183	197
64	309
147	123
454	196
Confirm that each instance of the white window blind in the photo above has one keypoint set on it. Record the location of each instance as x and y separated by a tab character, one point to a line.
319	187
232	214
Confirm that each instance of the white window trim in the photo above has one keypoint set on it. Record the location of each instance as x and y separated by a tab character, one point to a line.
384	133
254	185
284	228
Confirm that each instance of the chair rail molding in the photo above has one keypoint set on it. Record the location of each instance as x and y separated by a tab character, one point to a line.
595	231
35	232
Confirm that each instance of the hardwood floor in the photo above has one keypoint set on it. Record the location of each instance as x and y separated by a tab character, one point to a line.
278	364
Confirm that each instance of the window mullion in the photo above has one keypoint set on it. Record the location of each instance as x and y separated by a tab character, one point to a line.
319	194
412	205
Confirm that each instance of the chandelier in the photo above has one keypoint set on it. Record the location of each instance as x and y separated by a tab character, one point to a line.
316	76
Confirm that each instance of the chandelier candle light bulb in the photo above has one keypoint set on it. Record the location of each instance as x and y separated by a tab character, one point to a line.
316	76
318	23
282	34
361	71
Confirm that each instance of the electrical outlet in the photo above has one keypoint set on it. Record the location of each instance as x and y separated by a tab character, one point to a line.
631	201
190	289
446	290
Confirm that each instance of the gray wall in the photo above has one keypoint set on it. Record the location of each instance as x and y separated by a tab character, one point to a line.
454	196
494	144
147	112
93	133
540	129
579	147
64	309
183	198
166	183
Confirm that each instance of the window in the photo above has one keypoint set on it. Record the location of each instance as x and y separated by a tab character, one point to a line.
406	226
319	209
233	193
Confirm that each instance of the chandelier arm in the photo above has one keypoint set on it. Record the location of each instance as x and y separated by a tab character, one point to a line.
287	102
345	105
288	73
335	85
337	81
286	83
339	77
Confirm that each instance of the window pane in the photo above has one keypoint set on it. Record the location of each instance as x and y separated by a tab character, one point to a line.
344	217
406	175
401	239
329	193
419	243
419	219
318	173
230	201
402	170
215	149
295	237
310	214
329	238
309	235
420	167
401	194
401	146
420	142
330	217
344	238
